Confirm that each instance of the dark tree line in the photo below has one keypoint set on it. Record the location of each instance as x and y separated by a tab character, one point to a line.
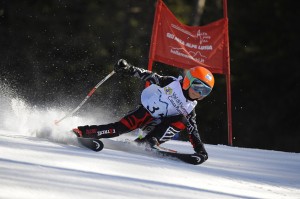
53	52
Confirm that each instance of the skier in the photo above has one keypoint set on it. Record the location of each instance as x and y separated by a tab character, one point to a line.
167	107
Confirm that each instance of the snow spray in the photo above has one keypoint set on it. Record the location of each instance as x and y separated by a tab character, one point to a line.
18	116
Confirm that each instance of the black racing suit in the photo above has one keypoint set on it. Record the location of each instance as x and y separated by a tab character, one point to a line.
163	129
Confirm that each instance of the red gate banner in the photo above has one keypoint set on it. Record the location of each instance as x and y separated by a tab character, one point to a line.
183	46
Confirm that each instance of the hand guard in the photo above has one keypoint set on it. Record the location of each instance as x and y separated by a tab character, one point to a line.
122	66
201	151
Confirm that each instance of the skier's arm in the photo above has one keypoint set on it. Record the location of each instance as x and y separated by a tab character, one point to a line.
125	68
194	135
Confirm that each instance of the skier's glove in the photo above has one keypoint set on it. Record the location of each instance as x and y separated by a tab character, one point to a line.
122	66
200	149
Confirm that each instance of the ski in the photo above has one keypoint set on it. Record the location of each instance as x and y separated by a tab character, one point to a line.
97	145
194	159
185	157
156	150
91	143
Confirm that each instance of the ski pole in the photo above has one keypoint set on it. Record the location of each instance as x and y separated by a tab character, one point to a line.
86	98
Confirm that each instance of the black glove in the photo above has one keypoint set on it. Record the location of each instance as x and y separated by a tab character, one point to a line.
200	149
122	66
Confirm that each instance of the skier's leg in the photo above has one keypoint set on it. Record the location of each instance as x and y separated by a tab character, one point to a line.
137	118
165	130
133	120
100	131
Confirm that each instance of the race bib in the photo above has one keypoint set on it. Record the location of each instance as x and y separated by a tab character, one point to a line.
166	101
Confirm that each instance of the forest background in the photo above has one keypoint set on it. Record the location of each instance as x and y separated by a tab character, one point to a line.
53	52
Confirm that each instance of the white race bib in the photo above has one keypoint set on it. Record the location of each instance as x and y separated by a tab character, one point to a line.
166	101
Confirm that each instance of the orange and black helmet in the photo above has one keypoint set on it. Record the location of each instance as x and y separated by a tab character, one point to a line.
200	79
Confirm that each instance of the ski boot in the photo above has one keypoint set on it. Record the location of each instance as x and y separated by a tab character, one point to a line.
148	142
77	132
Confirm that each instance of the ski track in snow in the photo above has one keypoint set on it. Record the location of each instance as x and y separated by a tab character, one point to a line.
33	167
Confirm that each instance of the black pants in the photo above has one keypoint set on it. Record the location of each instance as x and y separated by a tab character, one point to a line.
163	129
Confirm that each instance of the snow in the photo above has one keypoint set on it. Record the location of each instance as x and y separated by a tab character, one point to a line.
32	167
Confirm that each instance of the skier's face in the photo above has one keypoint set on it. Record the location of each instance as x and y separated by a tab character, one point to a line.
194	95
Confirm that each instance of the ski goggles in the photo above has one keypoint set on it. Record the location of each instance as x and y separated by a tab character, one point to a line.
198	85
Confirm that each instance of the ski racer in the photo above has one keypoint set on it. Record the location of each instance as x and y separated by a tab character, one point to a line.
167	107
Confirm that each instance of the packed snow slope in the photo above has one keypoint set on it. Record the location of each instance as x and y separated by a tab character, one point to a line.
33	167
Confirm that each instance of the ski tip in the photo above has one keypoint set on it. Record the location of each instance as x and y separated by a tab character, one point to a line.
196	159
98	145
92	144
